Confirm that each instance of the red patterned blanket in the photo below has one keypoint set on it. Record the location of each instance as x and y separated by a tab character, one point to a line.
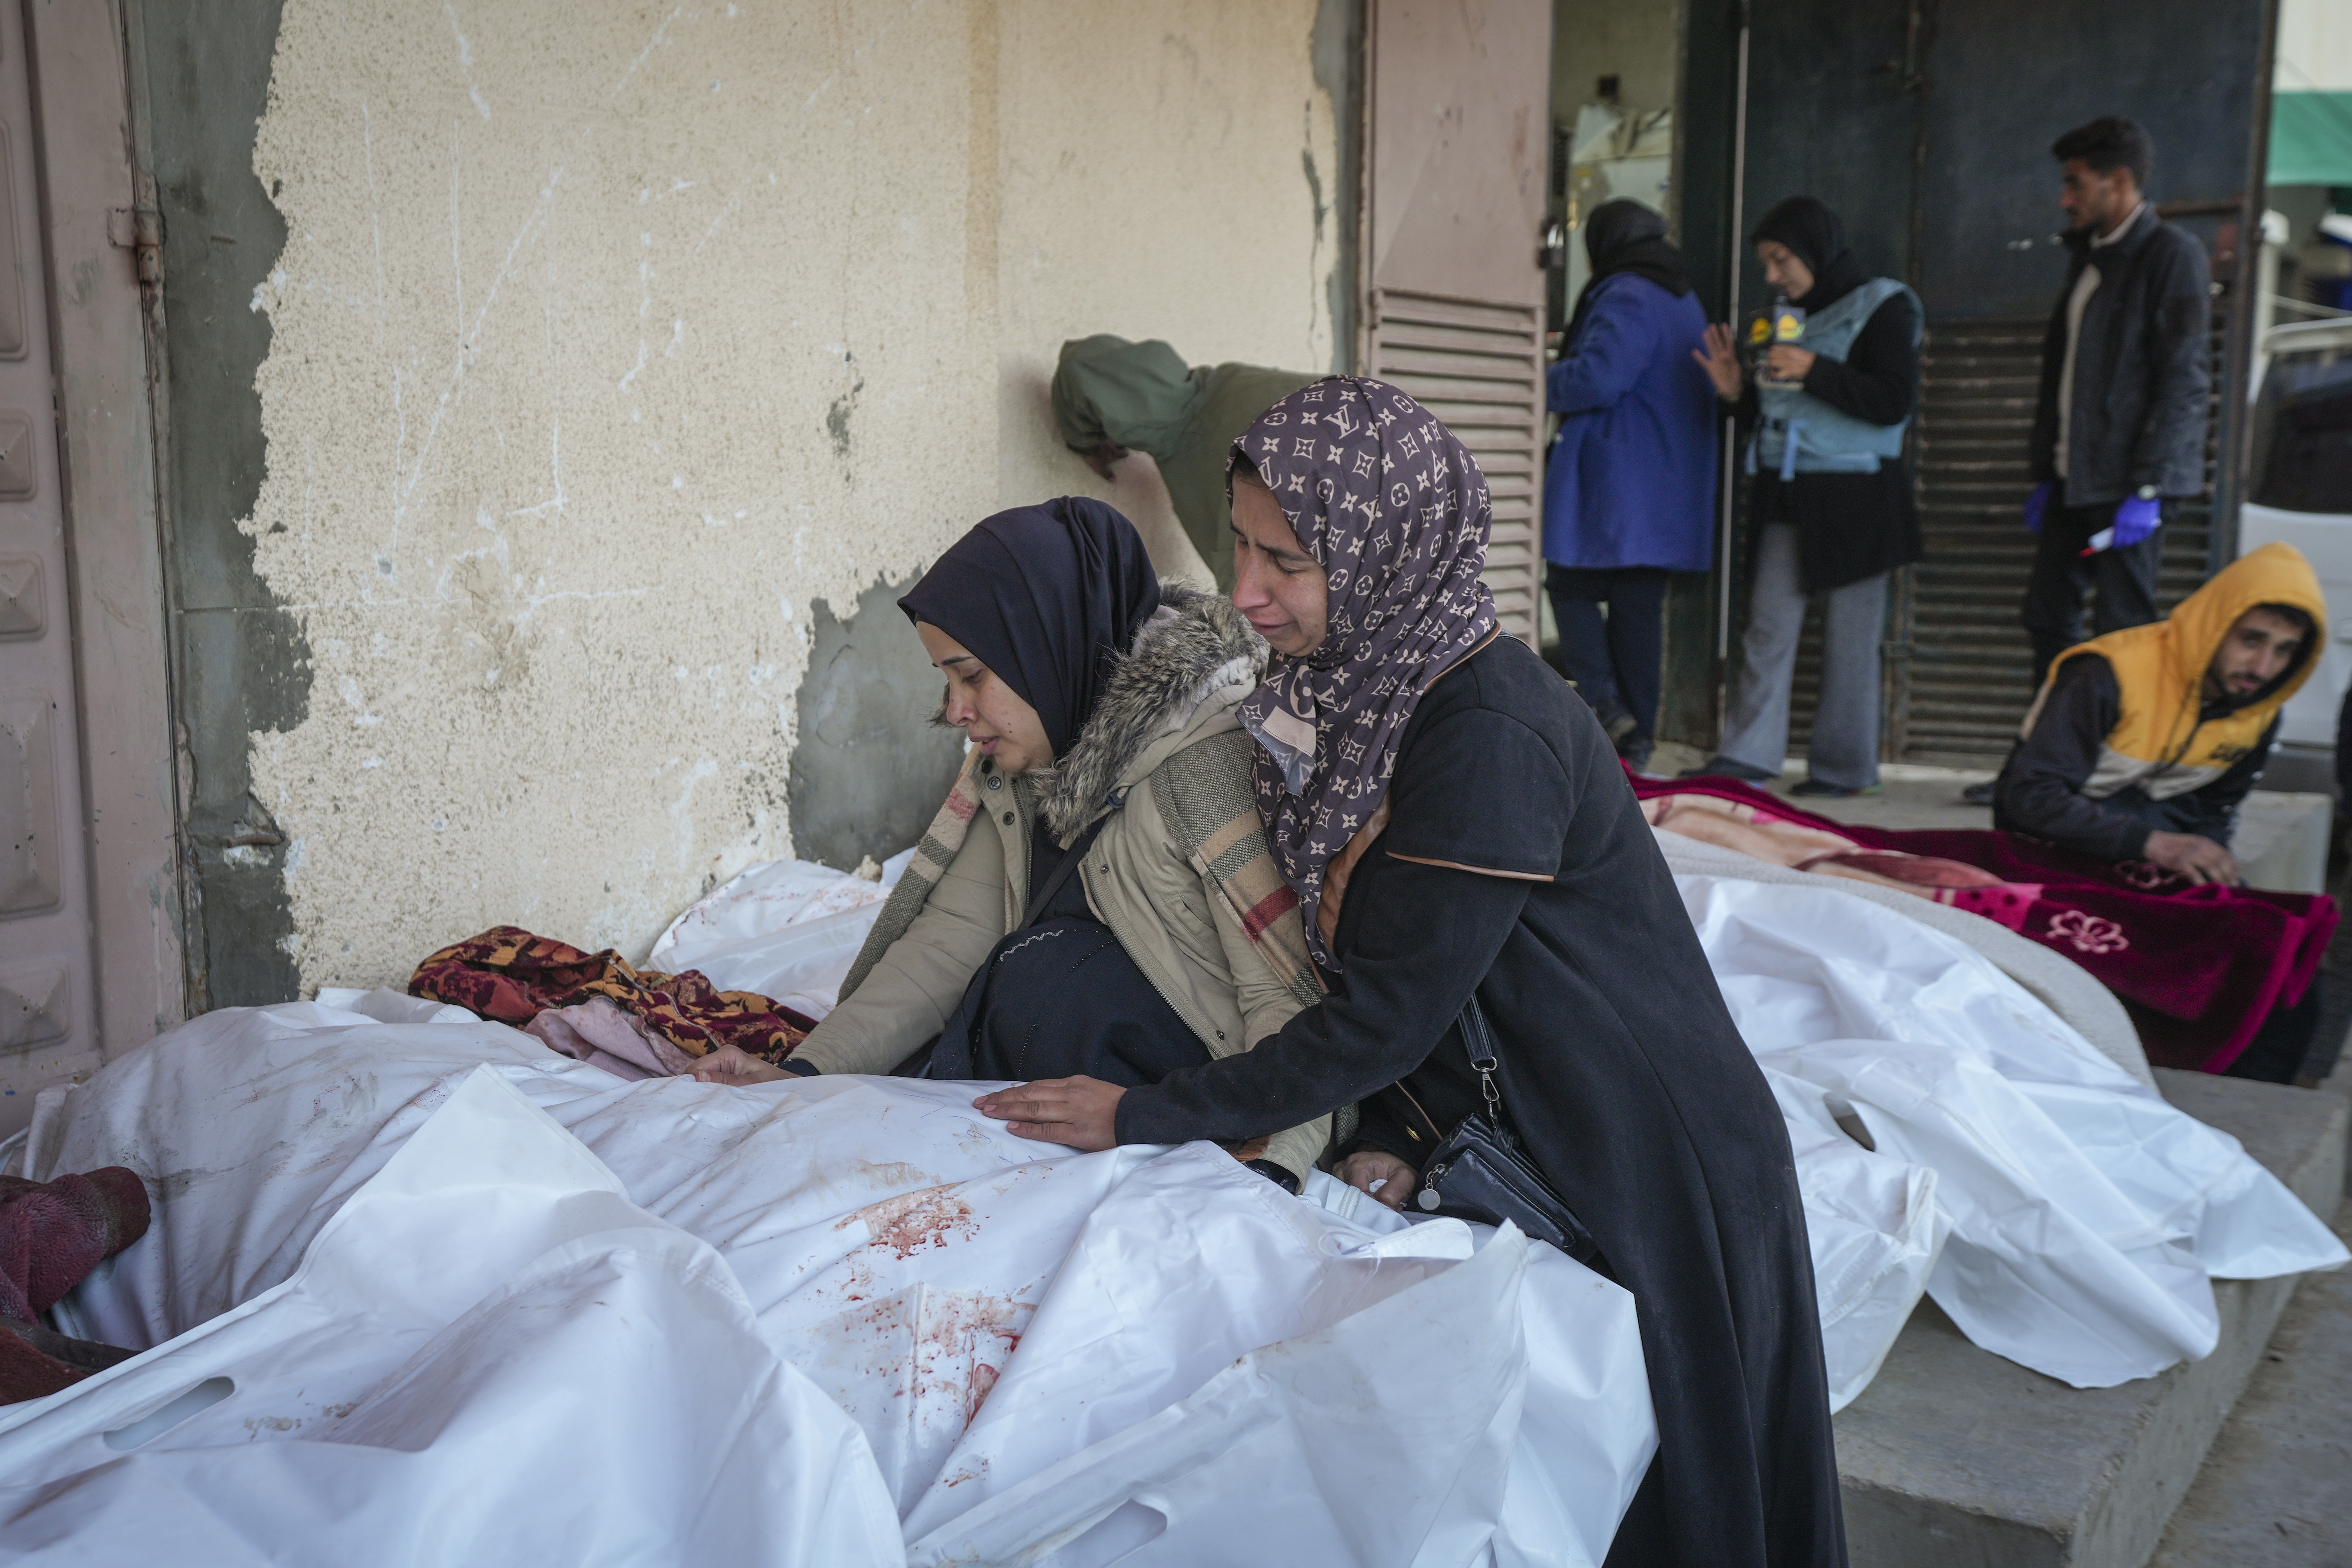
511	975
2197	968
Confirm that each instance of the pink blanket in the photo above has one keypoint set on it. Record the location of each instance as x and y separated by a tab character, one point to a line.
2197	968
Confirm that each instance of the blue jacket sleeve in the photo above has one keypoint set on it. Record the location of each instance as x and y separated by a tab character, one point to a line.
1619	341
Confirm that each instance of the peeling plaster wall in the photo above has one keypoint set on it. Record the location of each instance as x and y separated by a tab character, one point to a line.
607	338
241	658
1161	165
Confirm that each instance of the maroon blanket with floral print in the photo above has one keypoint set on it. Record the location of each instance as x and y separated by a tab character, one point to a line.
2197	968
511	975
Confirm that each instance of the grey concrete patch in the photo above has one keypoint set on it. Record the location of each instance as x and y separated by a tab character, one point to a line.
1956	1457
2299	768
1913	797
2276	1490
869	769
1672	757
241	662
1337	47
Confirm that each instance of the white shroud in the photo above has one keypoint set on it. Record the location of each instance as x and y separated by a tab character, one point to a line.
2087	1217
1009	1349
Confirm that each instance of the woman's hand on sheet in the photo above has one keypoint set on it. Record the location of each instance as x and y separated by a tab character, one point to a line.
736	1068
1082	1112
1366	1166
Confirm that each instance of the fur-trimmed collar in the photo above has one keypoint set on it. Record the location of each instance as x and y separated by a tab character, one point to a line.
1197	645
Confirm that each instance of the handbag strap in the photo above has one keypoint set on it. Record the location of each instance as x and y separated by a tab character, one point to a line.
1479	1038
1071	858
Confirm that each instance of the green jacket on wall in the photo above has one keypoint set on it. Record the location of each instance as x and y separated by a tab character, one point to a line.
1143	397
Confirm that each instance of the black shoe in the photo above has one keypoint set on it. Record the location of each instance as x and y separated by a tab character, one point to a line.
1979	794
1635	751
1616	722
1727	768
1816	787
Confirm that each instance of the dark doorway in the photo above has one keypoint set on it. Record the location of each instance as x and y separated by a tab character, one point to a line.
1927	125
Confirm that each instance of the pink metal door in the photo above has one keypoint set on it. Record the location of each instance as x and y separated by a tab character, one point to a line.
47	1012
1456	112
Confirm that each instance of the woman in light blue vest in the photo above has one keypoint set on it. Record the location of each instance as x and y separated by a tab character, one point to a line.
1830	498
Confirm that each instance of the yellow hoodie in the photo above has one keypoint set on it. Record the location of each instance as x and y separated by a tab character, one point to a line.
2157	742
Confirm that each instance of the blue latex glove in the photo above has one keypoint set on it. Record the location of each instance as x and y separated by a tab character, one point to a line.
2136	519
2036	504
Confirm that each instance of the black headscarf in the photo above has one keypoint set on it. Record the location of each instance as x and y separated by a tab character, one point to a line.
1814	234
1626	236
1044	595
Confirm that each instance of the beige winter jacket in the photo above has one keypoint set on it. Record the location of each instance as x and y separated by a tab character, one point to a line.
1164	744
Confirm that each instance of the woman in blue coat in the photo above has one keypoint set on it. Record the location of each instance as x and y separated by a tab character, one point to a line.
1629	493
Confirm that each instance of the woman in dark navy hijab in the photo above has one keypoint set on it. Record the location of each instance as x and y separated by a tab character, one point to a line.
1095	896
1629	484
1045	597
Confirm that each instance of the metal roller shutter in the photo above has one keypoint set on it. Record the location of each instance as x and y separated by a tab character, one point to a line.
1479	367
1957	662
1969	659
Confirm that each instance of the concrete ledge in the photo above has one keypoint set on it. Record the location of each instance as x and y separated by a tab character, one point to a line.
2282	840
1957	1459
2275	1491
2299	768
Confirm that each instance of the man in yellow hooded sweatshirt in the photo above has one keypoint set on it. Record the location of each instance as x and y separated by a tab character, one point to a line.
2142	742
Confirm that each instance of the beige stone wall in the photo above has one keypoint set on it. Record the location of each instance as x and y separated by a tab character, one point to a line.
609	337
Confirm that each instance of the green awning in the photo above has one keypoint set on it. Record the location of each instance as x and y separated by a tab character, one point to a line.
2311	139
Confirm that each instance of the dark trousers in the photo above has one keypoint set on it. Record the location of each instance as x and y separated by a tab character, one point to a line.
2282	1046
1620	658
2123	579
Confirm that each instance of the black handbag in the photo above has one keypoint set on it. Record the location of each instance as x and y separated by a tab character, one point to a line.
1480	1172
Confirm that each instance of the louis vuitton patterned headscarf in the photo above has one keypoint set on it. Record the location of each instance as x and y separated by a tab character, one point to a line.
1396	512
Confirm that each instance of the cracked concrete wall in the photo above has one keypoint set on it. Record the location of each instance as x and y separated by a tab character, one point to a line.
608	339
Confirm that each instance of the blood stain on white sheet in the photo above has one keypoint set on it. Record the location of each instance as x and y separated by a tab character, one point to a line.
896	1175
954	1355
907	1224
982	1380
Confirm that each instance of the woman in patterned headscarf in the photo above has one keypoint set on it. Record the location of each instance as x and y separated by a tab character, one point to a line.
1455	823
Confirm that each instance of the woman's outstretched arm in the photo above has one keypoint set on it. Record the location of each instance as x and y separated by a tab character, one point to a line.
1480	810
1429	934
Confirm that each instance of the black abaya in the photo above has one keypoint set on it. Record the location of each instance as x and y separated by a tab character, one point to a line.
1518	860
1060	998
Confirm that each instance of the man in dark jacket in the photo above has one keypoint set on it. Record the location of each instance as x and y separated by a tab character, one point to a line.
2119	431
